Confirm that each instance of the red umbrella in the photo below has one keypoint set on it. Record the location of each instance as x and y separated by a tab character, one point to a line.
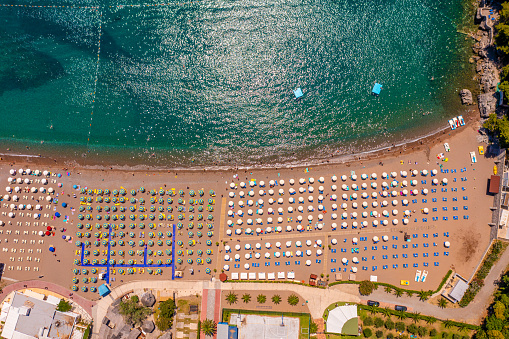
48	232
49	228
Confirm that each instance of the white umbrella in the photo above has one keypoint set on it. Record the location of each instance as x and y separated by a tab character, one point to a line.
354	269
374	195
385	194
444	181
334	178
394	193
354	205
267	255
271	201
364	186
393	174
375	204
385	222
394	202
403	174
7	197
425	172
310	198
232	185
247	246
321	179
308	262
288	228
405	193
310	217
226	267
308	252
300	208
308	242
48	198
425	191
298	243
8	189
279	220
354	240
354	196
405	221
247	256
414	172
364	204
415	192
425	210
364	195
364	214
334	187
291	181
267	245
375	223
298	253
344	187
343	177
45	173
404	183
334	241
12	171
277	254
318	252
288	243
226	257
11	214
320	226
344	205
281	182
299	217
354	177
302	181
228	232
447	244
435	181
237	247
246	266
311	180
375	239
278	244
395	221
280	200
373	185
385	238
413	182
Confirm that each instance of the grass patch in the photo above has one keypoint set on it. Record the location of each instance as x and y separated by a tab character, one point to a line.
87	333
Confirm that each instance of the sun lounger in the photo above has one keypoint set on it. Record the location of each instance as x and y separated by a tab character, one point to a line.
243	276
280	275
235	276
252	276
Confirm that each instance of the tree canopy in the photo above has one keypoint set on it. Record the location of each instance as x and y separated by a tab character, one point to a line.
134	312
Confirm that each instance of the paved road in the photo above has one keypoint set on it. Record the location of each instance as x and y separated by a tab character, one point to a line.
473	313
84	303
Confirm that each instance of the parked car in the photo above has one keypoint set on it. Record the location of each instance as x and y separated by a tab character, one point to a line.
400	308
373	303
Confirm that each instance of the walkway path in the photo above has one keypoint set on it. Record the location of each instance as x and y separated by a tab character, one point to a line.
84	303
473	313
211	301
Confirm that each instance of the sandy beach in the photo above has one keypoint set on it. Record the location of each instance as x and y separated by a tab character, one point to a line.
193	219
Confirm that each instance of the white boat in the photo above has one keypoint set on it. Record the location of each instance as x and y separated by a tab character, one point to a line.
456	122
417	275
460	118
453	126
472	157
424	275
447	148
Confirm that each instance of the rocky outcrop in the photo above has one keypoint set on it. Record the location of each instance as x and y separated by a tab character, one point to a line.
466	97
148	299
487	104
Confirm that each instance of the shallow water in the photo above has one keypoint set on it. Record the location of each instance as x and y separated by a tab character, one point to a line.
211	82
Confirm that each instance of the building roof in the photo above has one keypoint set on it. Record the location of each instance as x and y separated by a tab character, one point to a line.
343	320
104	290
30	317
494	184
458	290
222	331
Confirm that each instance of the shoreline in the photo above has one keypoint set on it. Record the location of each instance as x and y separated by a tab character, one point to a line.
405	146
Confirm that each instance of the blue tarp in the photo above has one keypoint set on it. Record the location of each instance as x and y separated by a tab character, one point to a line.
298	93
104	290
377	88
233	332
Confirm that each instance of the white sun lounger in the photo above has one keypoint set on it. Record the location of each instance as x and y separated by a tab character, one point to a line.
261	276
291	275
252	276
235	276
272	276
280	275
424	275
418	275
243	276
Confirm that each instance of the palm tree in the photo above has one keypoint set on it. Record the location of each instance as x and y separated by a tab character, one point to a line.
402	315
372	309
442	303
261	298
398	292
409	293
462	327
231	298
423	295
386	312
246	298
293	300
431	320
208	327
448	323
388	289
276	299
415	316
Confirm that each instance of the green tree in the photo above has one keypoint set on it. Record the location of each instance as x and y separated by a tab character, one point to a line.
400	326
423	295
64	306
433	333
367	332
366	287
372	309
448	323
390	336
379	334
409	293
422	331
442	303
246	298
388	289
293	300
164	320
261	299
499	309
504	12
502	38
389	324
386	312
133	312
313	328
208	327
398	292
445	335
276	299
430	320
402	315
231	298
368	321
412	329
494	323
378	322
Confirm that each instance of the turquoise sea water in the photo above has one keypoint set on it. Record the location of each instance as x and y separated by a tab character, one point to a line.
212	81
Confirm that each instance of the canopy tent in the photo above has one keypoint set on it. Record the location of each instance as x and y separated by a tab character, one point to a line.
343	320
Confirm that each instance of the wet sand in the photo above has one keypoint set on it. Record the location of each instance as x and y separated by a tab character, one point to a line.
468	237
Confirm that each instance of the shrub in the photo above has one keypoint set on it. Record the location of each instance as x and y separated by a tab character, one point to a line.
389	324
366	287
433	333
412	329
164	320
293	300
379	334
378	322
314	327
390	336
135	299
422	331
400	326
261	298
445	335
456	336
133	312
367	332
368	321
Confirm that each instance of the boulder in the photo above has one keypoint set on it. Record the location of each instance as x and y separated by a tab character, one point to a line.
148	299
148	326
487	104
466	97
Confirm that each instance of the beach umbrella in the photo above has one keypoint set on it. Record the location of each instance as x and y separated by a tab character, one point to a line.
308	262
354	241
308	252
447	244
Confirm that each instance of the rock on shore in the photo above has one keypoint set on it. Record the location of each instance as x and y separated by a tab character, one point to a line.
487	103
466	97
